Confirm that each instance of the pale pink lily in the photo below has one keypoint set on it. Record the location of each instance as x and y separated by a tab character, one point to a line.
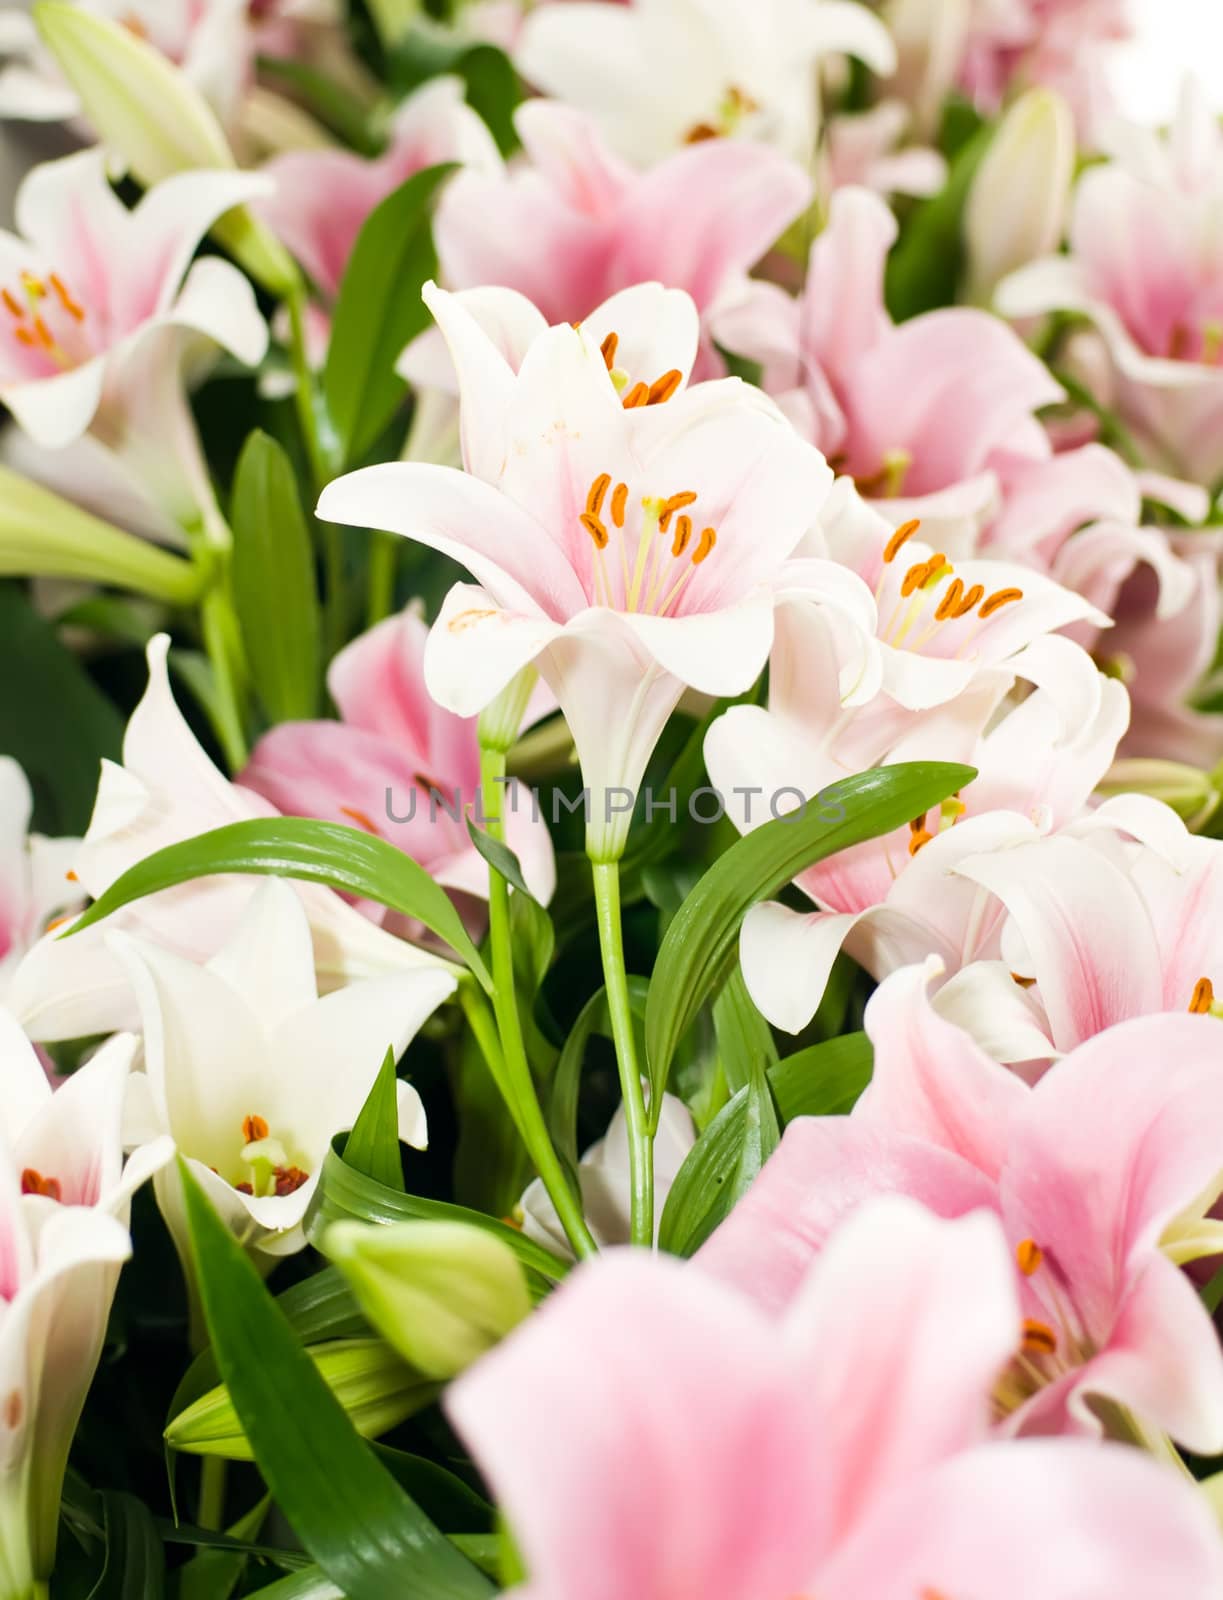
833	1451
242	1062
916	413
1099	930
658	74
631	536
868	149
100	305
896	899
397	765
605	1177
168	789
576	224
322	197
1146	266
34	881
1091	1173
65	1195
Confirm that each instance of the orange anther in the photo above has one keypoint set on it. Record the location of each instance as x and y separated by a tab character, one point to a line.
608	349
1029	1256
663	388
683	532
594	528
24	336
675	502
71	306
996	601
289	1179
951	599
900	538
971	597
1203	997
598	491
704	546
361	818
12	305
254	1128
1038	1337
638	395
619	500
33	1182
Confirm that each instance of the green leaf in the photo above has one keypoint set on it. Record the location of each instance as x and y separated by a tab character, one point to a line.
379	311
57	723
924	269
567	1079
365	1532
373	1144
345	1194
214	1570
493	87
745	1040
135	1566
274	584
311	1583
443	1498
721	1166
335	105
347	859
699	947
499	856
824	1080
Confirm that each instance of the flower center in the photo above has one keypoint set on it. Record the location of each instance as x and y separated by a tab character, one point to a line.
950	812
734	106
33	1182
1053	1343
918	589
1203	1002
271	1171
1203	343
668	550
47	318
640	393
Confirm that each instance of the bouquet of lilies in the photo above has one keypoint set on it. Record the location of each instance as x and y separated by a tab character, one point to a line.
611	863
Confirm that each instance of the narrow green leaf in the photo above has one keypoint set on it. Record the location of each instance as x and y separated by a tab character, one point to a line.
379	311
57	724
344	1194
348	859
493	87
721	1166
699	946
499	856
443	1498
274	583
373	1144
567	1079
365	1532
214	1570
135	1566
311	1583
745	1040
334	104
824	1080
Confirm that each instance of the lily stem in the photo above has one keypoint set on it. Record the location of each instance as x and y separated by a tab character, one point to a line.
212	1493
515	1077
640	1139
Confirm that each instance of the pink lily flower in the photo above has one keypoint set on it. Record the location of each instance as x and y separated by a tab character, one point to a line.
867	149
99	306
724	70
896	899
65	1196
918	414
631	536
168	789
322	197
1160	948
576	225
833	1451
1146	266
1090	1173
384	765
35	885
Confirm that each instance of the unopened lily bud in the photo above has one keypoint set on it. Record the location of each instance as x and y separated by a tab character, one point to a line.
441	1293
155	121
1190	792
369	1380
1016	208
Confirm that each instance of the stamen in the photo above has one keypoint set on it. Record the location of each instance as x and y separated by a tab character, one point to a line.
1038	1337
663	388
638	395
289	1179
608	349
598	489
594	528
935	568
71	876
1203	997
701	131
245	1188
12	305
996	601
705	548
914	578
363	820
254	1128
1029	1256
24	336
33	1182
900	538
970	600
618	502
951	598
75	310
674	503
45	337
1024	983
919	834
683	532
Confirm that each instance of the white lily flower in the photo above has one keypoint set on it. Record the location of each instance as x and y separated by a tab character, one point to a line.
658	74
65	1197
253	1075
34	881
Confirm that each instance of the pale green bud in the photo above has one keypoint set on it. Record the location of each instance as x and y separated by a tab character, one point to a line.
441	1293
369	1380
1190	792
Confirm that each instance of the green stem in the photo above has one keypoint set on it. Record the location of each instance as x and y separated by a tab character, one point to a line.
640	1139
381	599
221	642
322	470
515	1075
211	1513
